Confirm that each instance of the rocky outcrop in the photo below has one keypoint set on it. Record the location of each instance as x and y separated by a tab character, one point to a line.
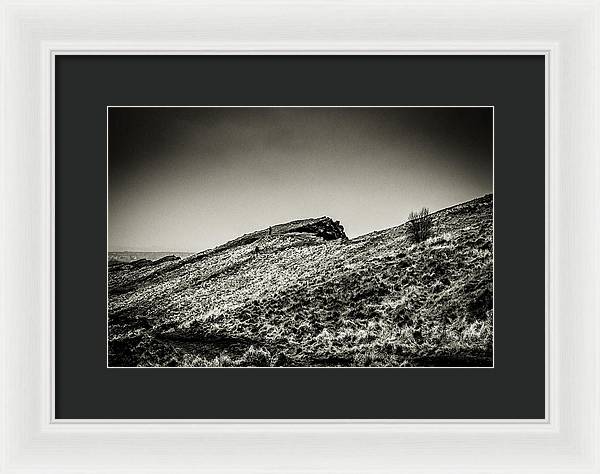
325	227
167	258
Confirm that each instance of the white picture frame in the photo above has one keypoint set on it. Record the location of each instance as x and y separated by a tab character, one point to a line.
566	33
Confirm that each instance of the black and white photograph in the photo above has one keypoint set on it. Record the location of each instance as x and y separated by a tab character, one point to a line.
300	237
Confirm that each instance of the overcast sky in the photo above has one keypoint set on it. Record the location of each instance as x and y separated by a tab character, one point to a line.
188	179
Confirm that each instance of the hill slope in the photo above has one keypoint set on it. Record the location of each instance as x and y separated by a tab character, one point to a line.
302	294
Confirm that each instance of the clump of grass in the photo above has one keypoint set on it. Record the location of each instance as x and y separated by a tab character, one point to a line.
365	359
444	239
374	358
222	360
254	357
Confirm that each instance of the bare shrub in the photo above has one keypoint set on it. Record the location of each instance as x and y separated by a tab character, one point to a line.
420	225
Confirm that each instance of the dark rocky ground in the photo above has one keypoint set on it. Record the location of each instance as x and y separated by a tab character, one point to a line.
305	295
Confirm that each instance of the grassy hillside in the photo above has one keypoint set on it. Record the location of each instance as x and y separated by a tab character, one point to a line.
302	294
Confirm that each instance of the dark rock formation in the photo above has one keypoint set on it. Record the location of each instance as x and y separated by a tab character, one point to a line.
144	262
168	258
324	227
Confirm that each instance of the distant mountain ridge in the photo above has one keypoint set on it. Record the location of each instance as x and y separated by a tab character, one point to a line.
132	255
303	294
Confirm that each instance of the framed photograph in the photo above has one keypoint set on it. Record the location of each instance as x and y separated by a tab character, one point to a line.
231	244
380	291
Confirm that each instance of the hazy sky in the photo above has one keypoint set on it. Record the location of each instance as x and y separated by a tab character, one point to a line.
188	179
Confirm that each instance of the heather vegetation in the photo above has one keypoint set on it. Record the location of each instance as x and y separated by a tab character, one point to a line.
302	294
